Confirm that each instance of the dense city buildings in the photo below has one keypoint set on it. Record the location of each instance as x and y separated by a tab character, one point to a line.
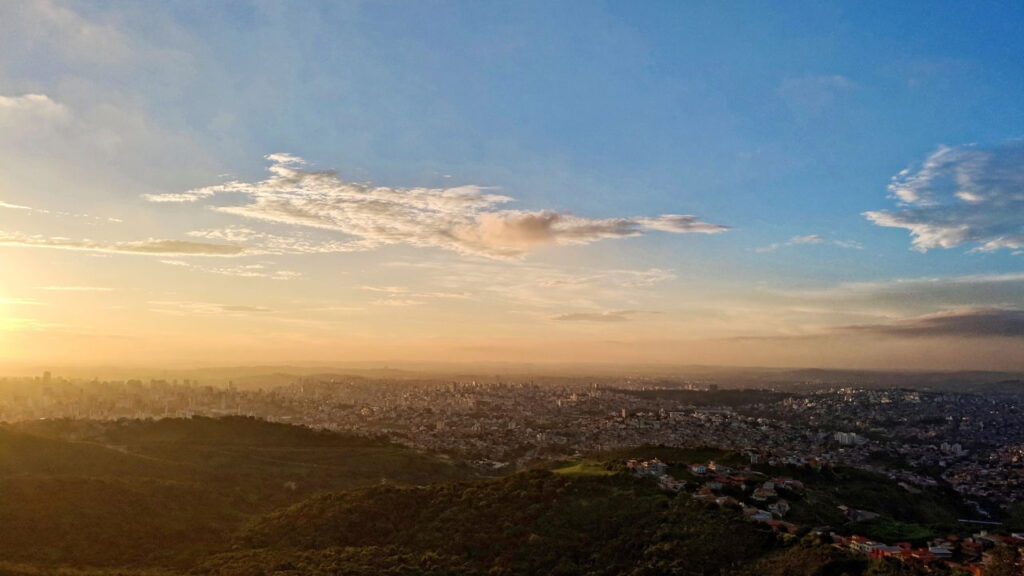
973	442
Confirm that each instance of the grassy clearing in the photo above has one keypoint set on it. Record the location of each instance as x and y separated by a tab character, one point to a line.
584	468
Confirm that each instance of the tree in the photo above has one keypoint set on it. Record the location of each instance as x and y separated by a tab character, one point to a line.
1002	562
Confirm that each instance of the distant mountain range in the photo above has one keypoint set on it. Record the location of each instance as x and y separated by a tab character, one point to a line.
270	376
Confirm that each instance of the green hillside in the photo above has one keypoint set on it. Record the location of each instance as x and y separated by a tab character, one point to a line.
164	493
535	522
243	497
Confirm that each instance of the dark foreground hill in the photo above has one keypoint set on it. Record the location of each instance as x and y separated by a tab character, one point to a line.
163	493
242	497
529	523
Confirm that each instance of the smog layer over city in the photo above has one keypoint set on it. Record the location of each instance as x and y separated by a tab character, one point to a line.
457	288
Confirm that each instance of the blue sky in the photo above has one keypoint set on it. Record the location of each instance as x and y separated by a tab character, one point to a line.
784	122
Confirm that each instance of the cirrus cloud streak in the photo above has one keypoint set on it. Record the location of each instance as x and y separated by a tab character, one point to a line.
809	239
603	316
154	247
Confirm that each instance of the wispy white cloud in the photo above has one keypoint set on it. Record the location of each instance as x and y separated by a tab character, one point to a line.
22	207
267	243
446	295
155	247
76	288
400	296
256	270
810	96
386	289
810	239
31	111
239	308
20	301
179	307
523	286
466	219
604	316
620	278
336	308
10	206
28	325
961	196
397	302
44	28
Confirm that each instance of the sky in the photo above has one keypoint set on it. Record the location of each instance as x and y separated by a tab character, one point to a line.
819	184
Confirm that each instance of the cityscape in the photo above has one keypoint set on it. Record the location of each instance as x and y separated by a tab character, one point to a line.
974	442
919	438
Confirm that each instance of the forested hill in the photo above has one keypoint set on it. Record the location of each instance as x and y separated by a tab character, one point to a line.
529	523
226	431
241	497
164	493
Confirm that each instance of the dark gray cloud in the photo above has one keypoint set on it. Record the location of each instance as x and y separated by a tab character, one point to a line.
969	323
